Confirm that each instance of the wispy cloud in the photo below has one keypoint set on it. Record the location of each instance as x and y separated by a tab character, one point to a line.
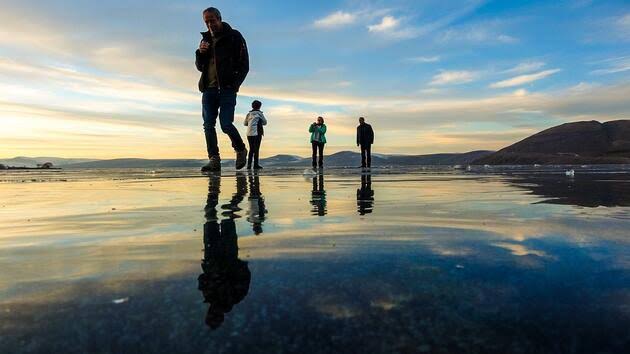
387	24
431	91
344	84
330	70
401	28
335	20
84	83
421	60
623	24
454	77
608	29
524	79
486	33
525	67
583	87
392	28
613	66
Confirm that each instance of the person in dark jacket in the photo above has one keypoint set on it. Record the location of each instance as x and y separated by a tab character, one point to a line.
365	139
223	61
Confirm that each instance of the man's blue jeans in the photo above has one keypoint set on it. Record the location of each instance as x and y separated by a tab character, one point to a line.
219	103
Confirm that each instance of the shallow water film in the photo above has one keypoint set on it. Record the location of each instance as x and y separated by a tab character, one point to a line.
407	261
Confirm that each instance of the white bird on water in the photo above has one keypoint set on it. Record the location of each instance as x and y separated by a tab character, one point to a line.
570	173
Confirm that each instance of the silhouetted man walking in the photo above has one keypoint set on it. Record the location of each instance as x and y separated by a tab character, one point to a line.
223	61
365	139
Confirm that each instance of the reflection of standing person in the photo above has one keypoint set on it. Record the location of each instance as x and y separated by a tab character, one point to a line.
223	61
365	195
318	196
318	140
365	139
254	122
231	208
225	279
257	209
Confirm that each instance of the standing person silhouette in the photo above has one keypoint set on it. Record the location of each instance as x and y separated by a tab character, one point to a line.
318	140
254	122
223	61
365	139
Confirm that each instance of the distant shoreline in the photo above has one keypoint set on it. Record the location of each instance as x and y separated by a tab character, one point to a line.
31	168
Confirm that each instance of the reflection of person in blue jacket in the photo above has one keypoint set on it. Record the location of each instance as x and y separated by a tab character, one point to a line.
318	196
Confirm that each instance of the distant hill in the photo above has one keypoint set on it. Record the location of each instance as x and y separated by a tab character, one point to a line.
589	142
22	161
339	159
138	163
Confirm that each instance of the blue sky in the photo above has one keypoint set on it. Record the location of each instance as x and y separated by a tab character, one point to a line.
116	79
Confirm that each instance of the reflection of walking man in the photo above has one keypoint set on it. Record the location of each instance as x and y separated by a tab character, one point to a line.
223	61
225	279
365	139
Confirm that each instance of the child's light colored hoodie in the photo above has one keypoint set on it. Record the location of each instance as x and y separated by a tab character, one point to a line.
254	122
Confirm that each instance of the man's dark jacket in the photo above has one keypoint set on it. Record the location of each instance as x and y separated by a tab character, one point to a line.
231	57
365	134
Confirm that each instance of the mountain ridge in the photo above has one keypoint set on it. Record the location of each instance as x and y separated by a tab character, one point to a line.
338	159
584	142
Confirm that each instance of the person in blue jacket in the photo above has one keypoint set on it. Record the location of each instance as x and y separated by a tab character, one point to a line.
318	140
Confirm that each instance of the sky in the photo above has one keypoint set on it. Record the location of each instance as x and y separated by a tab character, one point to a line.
117	78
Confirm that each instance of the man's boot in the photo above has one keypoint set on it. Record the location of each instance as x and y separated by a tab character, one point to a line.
241	158
213	165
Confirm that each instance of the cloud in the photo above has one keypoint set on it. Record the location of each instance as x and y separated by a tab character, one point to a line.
520	93
583	86
431	59
613	66
335	20
330	70
609	29
391	27
524	79
623	23
387	24
459	11
525	67
344	84
431	91
454	77
480	33
81	82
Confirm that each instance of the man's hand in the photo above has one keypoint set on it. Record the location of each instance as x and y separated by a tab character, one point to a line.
203	47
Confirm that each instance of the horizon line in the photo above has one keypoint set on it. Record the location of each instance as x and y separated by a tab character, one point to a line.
193	158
